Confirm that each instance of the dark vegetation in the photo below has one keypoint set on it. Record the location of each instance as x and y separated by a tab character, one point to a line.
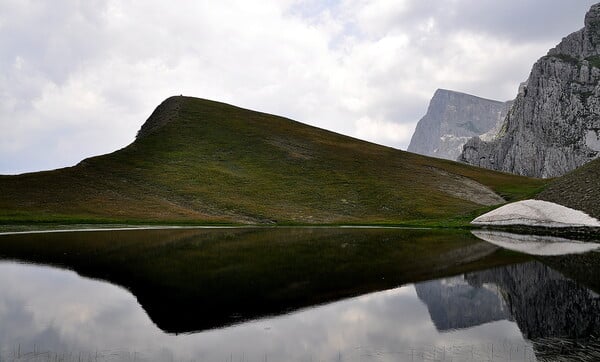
579	189
565	58
202	162
196	279
580	267
594	61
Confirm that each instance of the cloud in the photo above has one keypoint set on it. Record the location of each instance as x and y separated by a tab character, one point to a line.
383	132
92	316
79	78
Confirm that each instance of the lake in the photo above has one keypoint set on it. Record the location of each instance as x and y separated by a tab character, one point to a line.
292	294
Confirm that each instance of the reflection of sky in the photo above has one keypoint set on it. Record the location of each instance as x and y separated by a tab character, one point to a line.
51	309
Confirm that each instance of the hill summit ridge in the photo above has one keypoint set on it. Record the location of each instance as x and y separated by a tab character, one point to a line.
165	113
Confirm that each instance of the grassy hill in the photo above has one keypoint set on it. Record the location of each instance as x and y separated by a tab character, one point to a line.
199	161
579	189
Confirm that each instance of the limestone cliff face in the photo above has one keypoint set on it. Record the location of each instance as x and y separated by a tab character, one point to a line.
553	126
451	120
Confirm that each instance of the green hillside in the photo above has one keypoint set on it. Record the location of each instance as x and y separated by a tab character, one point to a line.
199	161
579	189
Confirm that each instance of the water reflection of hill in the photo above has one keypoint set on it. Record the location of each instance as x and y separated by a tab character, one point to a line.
190	280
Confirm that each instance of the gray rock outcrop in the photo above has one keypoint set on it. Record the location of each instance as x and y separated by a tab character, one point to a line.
553	126
452	118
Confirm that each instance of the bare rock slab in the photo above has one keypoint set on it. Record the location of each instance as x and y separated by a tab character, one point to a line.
536	213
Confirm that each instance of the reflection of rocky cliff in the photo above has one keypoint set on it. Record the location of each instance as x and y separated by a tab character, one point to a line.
543	302
559	316
196	279
453	303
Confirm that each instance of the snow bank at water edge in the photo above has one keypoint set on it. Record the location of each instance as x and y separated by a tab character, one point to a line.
536	213
535	244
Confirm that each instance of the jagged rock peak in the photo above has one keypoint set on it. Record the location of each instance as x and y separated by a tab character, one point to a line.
584	42
592	27
553	126
451	119
166	112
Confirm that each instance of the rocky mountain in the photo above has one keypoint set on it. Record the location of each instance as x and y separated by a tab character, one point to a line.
453	118
553	126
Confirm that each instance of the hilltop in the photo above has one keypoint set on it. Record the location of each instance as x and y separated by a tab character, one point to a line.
200	161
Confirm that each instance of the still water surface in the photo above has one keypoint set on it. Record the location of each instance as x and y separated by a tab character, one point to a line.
322	295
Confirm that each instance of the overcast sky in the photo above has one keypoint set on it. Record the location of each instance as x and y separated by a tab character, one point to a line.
79	78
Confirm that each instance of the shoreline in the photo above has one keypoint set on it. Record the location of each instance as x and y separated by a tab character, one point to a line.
5	229
585	233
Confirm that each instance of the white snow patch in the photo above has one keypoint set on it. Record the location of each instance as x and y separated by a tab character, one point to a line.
592	139
536	213
451	137
535	244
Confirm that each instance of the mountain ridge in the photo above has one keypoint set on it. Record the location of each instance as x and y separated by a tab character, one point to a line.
451	119
553	125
